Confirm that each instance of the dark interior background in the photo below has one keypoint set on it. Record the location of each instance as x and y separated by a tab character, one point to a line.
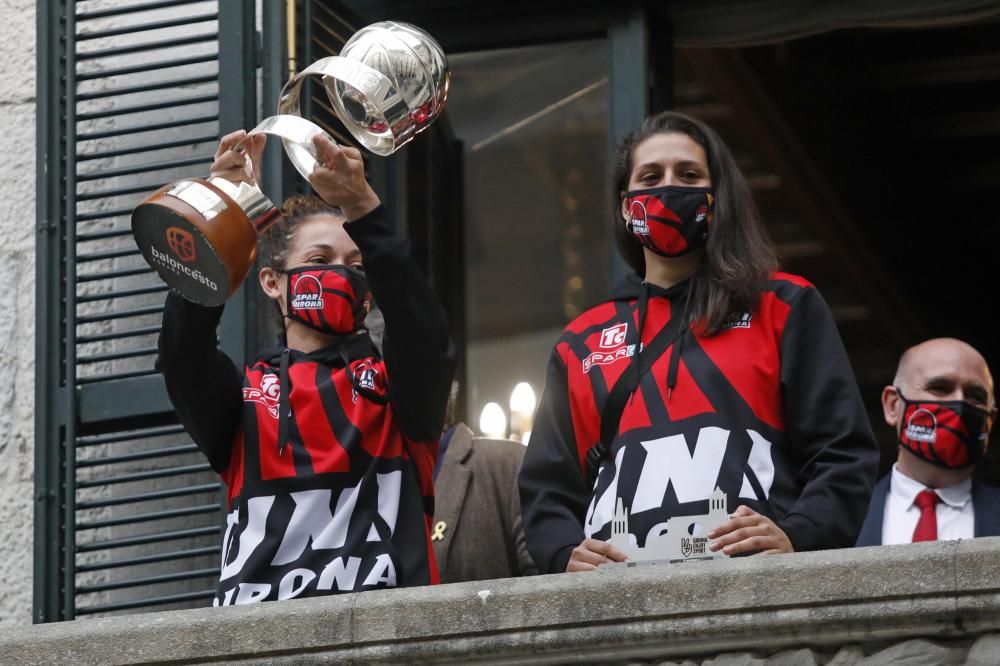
872	152
905	127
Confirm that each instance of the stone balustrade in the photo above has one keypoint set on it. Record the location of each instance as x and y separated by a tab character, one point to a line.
932	603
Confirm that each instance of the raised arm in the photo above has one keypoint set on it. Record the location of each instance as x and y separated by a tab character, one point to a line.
418	350
203	383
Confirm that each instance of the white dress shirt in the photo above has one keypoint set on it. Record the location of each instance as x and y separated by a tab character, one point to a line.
955	518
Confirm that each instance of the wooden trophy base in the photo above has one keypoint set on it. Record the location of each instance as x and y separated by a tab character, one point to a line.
197	238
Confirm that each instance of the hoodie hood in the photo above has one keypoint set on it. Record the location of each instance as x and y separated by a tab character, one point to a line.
339	353
630	287
354	346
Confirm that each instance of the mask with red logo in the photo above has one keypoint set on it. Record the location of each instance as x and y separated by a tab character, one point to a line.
946	433
671	221
328	299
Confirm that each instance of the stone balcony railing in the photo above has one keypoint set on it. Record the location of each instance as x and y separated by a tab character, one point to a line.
933	603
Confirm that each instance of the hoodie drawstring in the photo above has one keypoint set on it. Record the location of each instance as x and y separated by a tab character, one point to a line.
347	368
634	365
675	361
675	354
643	309
284	409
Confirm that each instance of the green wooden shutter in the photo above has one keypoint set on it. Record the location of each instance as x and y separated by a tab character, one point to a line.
323	27
131	96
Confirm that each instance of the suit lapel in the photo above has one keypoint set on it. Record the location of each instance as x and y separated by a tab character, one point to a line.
871	531
451	485
985	509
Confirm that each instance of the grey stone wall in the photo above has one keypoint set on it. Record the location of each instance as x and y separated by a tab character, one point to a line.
17	314
930	603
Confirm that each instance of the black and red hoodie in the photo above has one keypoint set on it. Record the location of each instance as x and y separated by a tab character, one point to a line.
345	504
767	410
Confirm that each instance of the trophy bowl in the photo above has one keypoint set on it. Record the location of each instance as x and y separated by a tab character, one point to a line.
389	83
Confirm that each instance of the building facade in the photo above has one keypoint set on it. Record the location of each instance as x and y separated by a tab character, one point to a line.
106	506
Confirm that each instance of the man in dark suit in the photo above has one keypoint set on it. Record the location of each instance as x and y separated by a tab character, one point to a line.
941	405
477	531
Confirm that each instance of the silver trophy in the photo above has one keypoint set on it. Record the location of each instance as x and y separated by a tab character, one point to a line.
389	82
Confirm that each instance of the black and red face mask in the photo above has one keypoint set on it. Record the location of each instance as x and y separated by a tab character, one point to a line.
671	221
946	433
330	299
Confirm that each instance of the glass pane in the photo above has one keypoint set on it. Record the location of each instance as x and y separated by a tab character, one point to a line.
533	122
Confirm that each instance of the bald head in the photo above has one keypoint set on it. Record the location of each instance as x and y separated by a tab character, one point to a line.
945	369
938	369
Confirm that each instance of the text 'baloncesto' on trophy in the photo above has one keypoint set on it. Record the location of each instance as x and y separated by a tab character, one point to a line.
389	82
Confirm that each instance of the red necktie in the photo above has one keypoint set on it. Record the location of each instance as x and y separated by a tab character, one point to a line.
927	525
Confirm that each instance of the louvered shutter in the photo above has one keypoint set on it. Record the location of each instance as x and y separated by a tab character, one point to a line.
132	95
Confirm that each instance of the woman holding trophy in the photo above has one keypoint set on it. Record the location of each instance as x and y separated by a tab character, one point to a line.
326	449
325	445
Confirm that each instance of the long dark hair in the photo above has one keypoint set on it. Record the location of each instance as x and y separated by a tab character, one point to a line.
739	258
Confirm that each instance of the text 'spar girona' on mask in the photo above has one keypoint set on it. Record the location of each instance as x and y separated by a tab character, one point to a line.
670	221
330	299
946	433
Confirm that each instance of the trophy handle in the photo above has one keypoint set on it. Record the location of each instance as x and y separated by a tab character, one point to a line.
296	134
259	209
373	95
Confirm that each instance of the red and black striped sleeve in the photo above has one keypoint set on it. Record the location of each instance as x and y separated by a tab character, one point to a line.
204	385
419	354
